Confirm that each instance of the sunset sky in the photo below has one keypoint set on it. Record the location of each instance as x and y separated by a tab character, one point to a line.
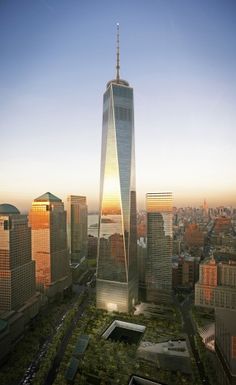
56	57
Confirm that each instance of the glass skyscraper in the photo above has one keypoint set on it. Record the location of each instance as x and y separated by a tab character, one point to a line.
159	246
117	236
19	301
77	227
17	270
49	244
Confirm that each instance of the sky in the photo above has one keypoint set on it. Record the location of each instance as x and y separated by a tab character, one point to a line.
56	57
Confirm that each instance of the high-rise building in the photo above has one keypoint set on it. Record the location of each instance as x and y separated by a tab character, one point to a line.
193	236
77	227
49	244
159	246
117	240
17	270
205	207
184	271
225	346
217	284
19	302
92	247
141	256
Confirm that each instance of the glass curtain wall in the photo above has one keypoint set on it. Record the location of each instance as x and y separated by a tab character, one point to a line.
117	254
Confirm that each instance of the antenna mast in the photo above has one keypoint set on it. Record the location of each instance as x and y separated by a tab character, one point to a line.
117	52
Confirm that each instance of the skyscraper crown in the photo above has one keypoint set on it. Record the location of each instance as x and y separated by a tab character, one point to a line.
6	208
47	197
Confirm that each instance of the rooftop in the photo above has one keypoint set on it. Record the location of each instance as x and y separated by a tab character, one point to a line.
72	369
81	345
172	348
47	197
6	208
170	355
119	82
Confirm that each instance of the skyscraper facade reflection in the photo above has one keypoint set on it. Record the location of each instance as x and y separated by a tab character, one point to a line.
17	270
159	246
117	238
77	227
49	244
19	301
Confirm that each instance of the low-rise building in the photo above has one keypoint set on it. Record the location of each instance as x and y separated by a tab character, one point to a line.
169	355
184	271
217	284
225	346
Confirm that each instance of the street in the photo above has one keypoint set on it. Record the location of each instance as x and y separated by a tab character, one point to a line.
189	329
35	364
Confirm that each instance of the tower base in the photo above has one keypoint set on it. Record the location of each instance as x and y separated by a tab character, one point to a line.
116	296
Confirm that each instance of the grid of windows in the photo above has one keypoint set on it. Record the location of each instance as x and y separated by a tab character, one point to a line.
77	227
17	270
233	344
49	242
123	113
217	285
159	243
117	242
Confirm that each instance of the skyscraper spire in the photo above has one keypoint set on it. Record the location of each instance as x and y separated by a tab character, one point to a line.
117	52
118	80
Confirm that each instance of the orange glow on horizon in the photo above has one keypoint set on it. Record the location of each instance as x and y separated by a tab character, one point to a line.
23	200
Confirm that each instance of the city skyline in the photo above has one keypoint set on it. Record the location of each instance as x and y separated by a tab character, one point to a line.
57	57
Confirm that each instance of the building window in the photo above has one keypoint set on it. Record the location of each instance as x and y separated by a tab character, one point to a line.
233	346
6	225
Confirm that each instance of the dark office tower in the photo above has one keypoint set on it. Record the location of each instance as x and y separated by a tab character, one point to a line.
159	246
117	240
225	346
49	244
205	207
77	227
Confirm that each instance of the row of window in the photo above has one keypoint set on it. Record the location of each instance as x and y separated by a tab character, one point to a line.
123	92
121	113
